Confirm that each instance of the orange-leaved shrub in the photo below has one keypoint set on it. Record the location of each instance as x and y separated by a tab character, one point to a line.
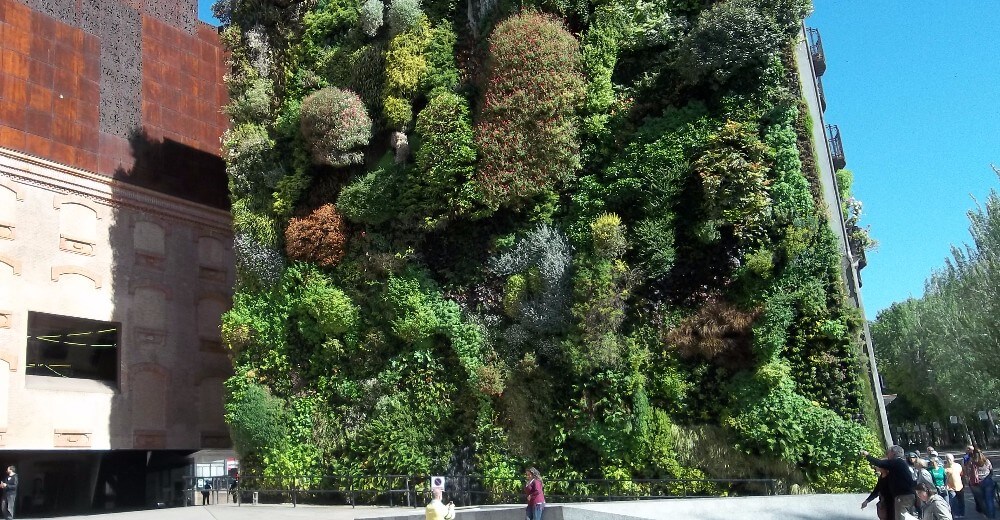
317	237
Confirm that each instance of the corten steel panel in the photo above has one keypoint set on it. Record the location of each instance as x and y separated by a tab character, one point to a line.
15	64
41	73
111	85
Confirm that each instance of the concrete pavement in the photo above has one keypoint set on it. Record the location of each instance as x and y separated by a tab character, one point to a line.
791	507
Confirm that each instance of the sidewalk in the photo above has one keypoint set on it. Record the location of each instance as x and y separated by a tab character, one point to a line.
794	507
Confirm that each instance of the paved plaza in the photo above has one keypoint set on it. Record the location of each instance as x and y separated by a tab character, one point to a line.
793	507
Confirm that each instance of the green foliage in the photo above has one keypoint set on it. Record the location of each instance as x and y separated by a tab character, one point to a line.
439	52
371	198
732	40
608	236
771	418
527	134
322	310
468	242
247	149
445	161
734	182
397	112
790	190
256	418
651	173
405	63
334	124
253	103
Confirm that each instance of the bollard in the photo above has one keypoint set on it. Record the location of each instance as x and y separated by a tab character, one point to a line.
255	497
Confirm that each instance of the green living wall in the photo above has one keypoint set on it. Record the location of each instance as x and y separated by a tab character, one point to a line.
584	236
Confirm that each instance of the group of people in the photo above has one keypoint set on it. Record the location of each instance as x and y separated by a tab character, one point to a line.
533	490
931	488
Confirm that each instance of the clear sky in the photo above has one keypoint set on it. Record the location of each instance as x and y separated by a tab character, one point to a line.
915	90
205	11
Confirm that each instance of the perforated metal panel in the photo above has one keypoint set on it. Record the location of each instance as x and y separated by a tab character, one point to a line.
179	13
62	10
120	30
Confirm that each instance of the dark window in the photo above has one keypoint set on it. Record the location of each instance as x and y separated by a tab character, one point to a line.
62	346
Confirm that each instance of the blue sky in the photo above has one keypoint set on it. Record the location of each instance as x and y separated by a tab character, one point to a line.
913	87
205	11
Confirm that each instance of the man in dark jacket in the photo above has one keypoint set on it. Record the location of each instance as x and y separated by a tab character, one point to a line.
899	480
9	486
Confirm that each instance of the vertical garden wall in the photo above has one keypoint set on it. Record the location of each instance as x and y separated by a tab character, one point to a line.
577	235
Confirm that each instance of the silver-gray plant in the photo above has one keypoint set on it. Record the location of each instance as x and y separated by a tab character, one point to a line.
545	310
372	16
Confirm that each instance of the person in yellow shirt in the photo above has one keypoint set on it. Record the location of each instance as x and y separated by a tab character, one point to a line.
436	510
953	483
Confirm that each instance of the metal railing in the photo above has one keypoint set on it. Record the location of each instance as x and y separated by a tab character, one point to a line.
836	146
466	490
816	51
821	94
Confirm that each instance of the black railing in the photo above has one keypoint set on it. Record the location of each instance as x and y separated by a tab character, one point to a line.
836	146
821	94
816	51
464	490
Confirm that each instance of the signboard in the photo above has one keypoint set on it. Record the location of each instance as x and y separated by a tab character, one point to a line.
953	419
437	483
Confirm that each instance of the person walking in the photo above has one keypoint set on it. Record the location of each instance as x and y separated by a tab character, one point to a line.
900	480
980	471
534	489
932	506
953	484
9	486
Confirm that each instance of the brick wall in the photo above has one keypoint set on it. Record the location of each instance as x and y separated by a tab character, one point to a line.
124	88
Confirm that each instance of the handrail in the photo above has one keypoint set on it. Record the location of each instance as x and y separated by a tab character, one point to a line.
474	490
816	50
836	146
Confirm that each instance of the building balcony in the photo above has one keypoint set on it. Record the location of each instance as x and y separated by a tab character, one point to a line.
816	51
822	96
836	147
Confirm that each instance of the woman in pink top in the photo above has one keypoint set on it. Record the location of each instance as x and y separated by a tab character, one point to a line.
536	496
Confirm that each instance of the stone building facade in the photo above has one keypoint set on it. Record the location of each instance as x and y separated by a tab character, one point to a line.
115	248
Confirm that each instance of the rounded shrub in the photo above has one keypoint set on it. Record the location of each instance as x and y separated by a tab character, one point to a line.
608	236
318	237
335	124
527	134
397	112
403	15
729	40
371	16
256	418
